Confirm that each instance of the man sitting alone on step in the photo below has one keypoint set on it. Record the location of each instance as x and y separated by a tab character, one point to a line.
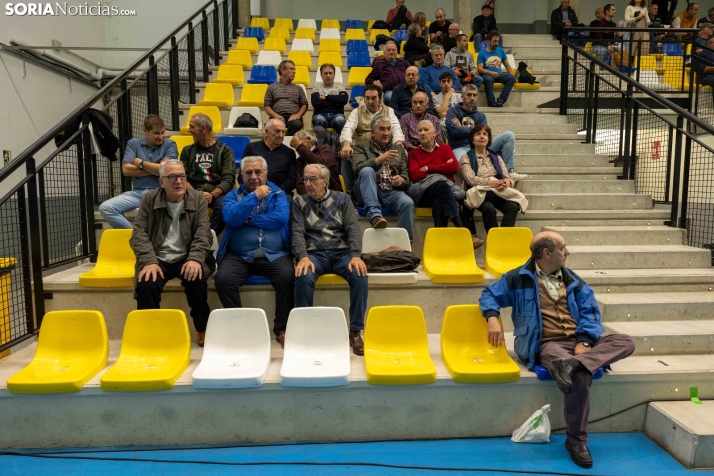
546	295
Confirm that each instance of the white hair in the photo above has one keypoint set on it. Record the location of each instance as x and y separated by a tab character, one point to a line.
305	134
324	171
426	121
166	163
253	158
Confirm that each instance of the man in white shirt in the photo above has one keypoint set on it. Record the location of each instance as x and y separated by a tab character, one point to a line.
445	99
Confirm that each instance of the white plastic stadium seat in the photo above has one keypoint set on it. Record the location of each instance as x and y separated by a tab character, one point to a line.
303	45
512	61
329	34
317	349
375	240
338	77
269	58
237	350
307	23
214	244
244	131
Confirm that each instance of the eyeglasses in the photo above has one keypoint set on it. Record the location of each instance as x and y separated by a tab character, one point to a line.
172	178
312	180
257	173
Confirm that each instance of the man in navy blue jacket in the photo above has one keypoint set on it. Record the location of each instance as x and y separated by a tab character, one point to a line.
556	323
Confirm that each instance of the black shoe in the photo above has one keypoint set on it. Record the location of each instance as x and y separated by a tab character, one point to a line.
562	372
579	454
499	104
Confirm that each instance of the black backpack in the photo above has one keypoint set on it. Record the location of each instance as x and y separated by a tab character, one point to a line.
523	76
246	120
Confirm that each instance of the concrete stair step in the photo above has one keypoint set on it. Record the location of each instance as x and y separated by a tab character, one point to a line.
668	337
551	130
569	173
648	307
540	65
555	176
589	201
538	53
513	41
650	256
539	147
684	429
635	280
543	137
509	118
533	185
622	235
561	160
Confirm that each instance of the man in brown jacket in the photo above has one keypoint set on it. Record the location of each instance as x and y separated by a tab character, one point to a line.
172	238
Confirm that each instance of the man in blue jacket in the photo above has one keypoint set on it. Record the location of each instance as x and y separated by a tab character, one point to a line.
556	323
257	242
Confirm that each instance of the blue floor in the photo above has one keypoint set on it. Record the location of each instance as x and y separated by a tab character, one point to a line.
614	454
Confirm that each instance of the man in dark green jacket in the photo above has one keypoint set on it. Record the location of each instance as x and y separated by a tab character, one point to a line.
210	167
171	239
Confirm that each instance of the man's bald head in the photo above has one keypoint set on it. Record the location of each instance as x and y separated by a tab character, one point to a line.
544	240
549	250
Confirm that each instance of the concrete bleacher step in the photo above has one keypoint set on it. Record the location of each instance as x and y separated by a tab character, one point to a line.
535	52
642	257
589	201
529	40
535	185
668	337
569	173
551	130
685	429
509	118
640	281
523	158
540	147
622	235
649	307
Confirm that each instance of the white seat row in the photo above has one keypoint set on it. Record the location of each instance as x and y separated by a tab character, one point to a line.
307	23
244	131
329	34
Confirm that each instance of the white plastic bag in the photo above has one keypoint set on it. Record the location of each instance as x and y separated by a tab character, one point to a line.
536	429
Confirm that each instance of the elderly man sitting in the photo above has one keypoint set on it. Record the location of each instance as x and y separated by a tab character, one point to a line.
280	157
431	168
557	323
387	71
172	239
310	152
257	242
286	99
409	122
210	167
383	177
402	95
327	239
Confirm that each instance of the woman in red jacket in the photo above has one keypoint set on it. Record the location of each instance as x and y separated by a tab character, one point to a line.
431	170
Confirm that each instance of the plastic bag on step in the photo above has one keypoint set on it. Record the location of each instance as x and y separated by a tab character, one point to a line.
536	429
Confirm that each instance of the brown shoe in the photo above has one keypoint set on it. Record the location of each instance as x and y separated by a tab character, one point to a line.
200	338
281	338
356	342
378	222
477	242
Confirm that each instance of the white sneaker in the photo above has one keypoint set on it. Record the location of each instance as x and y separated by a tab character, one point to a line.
517	177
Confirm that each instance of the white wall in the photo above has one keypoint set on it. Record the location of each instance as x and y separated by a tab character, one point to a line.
344	9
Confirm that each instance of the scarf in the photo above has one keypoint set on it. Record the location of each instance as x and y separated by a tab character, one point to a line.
473	160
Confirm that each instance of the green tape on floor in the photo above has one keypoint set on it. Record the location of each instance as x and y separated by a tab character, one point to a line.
694	395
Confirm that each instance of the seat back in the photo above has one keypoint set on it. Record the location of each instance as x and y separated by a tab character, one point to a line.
275	44
155	334
75	335
358	58
264	23
451	246
354	34
349	24
263	73
254	32
331	23
250	44
358	75
507	248
511	60
232	331
305	33
240	57
284	23
395	330
302	76
253	95
373	34
338	75
271	58
646	62
330	34
357	90
181	142
278	32
330	45
375	240
236	112
400	35
114	248
303	45
464	333
672	49
356	45
218	94
307	23
316	330
332	57
211	111
369	24
230	73
238	143
301	58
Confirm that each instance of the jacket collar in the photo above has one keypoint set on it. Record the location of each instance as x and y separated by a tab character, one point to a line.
189	200
530	269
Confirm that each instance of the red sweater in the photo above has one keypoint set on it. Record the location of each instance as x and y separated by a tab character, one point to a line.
434	160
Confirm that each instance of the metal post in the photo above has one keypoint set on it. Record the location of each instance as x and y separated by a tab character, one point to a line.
224	5
633	148
35	238
175	88
88	190
204	45
43	217
685	182
216	35
621	151
191	64
595	109
564	73
667	190
125	132
25	260
590	100
82	182
585	100
673	222
152	88
234	15
627	162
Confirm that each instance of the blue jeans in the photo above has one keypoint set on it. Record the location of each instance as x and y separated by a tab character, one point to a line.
329	120
334	261
504	144
387	98
374	198
600	52
347	175
113	209
508	80
477	81
217	223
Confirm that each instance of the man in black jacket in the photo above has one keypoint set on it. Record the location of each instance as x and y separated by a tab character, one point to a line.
562	17
481	25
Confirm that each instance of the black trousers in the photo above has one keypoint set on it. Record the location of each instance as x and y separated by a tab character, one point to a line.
467	217
148	293
488	211
293	126
233	272
399	19
439	197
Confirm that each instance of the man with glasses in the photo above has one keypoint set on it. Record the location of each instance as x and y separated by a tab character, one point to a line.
210	167
450	41
310	152
328	239
257	242
280	158
172	239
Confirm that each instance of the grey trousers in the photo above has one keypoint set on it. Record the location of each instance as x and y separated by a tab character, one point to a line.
605	351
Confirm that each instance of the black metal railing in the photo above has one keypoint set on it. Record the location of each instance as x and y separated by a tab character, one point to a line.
47	204
655	137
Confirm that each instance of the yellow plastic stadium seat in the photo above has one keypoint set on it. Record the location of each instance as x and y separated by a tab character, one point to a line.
330	24
588	47
250	44
358	75
72	348
330	45
527	86
422	212
369	24
301	58
302	76
284	23
466	352
330	57
264	23
241	58
342	182
218	94
305	34
277	32
231	74
275	44
330	280
507	249
210	111
396	347
449	257
646	62
253	95
354	34
115	262
155	351
181	142
373	34
471	47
